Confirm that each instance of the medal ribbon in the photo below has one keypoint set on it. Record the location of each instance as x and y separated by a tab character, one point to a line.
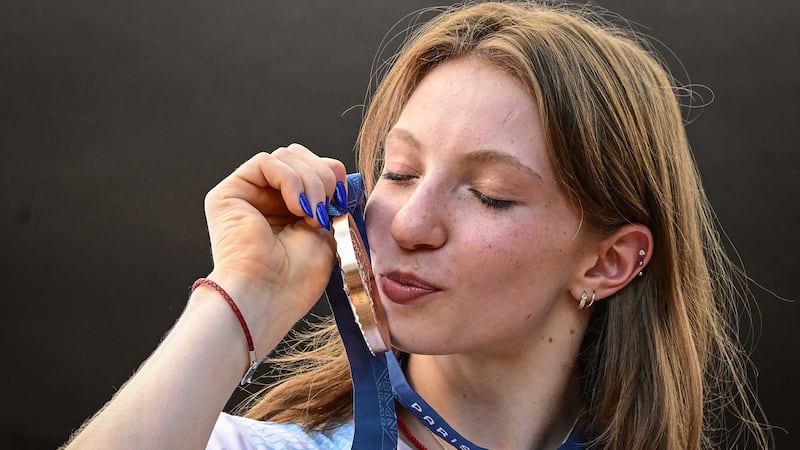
373	401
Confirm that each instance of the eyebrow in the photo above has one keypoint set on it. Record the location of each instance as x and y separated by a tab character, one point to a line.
498	157
405	136
480	156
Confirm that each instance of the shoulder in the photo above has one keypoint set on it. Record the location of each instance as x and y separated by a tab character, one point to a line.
240	433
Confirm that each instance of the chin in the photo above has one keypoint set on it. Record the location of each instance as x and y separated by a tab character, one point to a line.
417	341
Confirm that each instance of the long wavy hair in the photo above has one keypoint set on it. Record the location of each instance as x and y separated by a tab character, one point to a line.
661	364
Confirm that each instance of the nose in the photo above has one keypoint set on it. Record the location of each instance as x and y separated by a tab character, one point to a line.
422	219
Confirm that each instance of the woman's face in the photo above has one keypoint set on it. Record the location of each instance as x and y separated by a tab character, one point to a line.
473	240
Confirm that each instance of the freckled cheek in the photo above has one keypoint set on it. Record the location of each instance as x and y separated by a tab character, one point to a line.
525	246
504	252
378	216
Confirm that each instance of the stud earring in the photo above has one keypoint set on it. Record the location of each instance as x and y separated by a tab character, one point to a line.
642	253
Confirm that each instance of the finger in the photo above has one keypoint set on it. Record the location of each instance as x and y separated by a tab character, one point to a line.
337	167
311	165
340	172
319	179
328	170
267	183
313	195
321	164
291	179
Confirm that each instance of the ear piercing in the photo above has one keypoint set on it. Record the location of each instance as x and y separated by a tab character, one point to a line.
642	253
584	297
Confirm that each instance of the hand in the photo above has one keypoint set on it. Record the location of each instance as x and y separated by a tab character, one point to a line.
263	242
273	259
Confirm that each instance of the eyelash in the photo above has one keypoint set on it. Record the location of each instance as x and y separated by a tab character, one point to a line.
489	202
391	176
492	203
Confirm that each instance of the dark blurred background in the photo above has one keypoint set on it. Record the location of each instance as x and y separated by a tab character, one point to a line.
118	116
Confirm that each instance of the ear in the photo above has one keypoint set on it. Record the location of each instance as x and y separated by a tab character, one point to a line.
614	262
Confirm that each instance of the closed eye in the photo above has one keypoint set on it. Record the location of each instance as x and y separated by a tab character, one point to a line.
492	203
392	176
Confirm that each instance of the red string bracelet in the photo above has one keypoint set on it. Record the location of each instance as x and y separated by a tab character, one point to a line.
251	349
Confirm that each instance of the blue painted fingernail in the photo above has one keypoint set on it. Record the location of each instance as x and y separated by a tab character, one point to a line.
322	216
340	196
305	205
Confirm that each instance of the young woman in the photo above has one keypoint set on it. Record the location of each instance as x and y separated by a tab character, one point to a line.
547	261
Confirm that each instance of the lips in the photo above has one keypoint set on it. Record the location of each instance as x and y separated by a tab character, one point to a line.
405	288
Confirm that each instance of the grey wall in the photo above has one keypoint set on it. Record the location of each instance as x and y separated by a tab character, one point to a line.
118	116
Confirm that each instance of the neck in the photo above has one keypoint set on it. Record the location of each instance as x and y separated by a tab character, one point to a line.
524	400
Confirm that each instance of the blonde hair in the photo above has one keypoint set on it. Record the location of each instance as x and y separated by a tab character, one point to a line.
661	364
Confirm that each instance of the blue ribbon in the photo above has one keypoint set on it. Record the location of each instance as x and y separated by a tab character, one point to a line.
373	401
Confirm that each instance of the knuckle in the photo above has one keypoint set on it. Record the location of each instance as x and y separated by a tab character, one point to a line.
211	197
262	157
294	146
285	154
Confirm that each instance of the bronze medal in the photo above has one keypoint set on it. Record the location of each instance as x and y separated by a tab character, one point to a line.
359	284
